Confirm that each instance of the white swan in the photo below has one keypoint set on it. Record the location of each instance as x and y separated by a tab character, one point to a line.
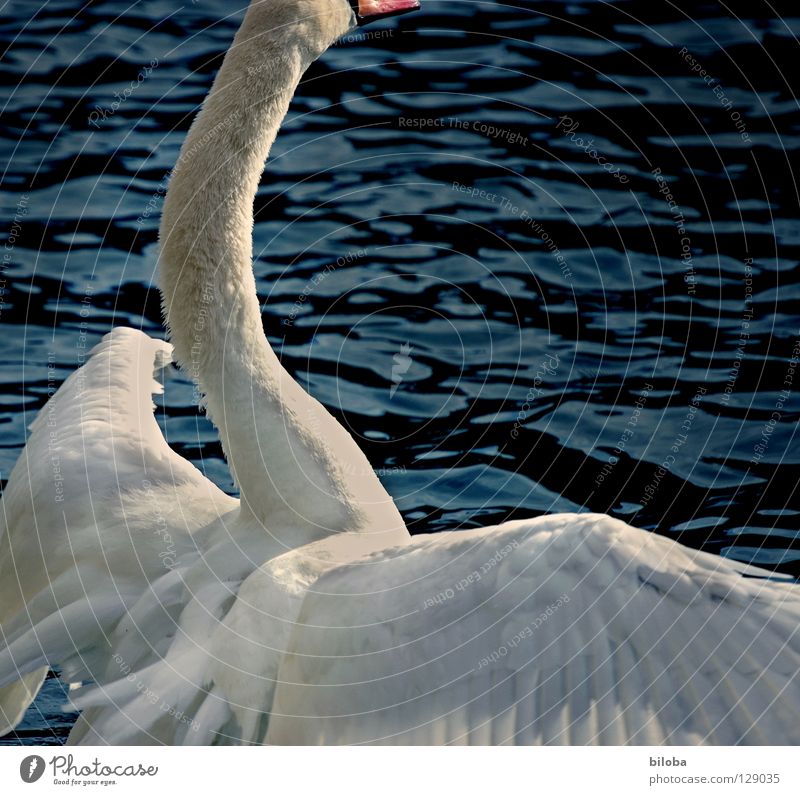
304	613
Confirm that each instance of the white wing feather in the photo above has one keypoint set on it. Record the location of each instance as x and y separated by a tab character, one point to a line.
575	629
571	629
203	669
96	508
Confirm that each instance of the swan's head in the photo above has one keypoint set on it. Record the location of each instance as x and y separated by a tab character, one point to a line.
370	10
317	23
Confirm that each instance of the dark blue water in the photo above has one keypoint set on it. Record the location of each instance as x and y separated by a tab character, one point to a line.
562	240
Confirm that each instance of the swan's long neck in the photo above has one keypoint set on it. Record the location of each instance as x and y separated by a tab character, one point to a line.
297	469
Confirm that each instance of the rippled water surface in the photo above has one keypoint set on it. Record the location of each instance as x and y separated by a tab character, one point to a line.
561	241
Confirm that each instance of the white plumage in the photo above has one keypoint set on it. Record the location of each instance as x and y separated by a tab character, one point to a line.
305	613
587	631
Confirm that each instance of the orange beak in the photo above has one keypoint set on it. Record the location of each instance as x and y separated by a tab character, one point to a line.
370	10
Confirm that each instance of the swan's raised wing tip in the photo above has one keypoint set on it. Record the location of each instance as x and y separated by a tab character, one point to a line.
160	350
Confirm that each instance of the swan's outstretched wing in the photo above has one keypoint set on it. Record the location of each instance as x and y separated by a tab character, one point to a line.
566	630
200	650
97	507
